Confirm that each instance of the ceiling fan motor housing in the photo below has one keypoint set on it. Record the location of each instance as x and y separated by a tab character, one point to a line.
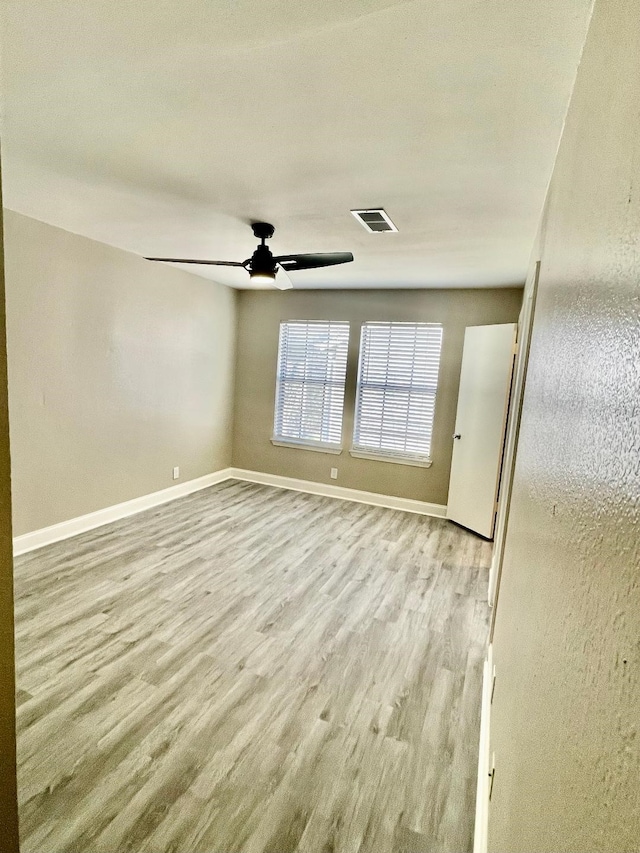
262	262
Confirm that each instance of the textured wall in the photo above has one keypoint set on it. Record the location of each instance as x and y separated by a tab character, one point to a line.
8	793
119	369
566	713
260	314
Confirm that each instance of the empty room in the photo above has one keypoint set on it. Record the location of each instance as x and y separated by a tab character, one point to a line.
319	439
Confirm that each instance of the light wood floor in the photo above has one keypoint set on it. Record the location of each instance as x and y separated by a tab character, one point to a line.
252	670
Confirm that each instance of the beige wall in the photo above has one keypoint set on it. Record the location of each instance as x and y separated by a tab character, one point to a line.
565	723
119	369
260	313
8	792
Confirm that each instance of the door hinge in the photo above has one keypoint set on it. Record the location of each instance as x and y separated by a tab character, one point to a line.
492	776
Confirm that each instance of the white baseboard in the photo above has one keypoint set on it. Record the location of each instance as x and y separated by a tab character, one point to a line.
74	526
329	491
481	834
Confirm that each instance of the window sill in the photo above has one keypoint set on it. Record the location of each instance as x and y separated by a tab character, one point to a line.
397	460
302	445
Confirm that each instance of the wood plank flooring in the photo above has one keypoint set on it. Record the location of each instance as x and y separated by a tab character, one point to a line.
252	670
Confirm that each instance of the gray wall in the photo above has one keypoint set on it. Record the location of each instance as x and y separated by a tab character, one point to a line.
260	313
566	713
8	791
119	369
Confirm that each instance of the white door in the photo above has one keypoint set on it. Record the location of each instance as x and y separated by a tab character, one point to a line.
525	326
478	441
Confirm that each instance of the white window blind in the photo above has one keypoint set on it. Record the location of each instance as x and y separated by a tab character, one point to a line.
396	394
312	363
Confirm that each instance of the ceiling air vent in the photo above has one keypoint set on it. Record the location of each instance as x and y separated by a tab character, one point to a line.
374	220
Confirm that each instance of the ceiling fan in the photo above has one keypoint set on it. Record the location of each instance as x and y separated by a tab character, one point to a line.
264	268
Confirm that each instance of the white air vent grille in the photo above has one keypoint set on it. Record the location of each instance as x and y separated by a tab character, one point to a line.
375	220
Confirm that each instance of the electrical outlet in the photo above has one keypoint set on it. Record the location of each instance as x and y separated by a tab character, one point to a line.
176	472
334	473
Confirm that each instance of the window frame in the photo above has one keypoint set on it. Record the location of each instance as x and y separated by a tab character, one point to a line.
308	443
388	454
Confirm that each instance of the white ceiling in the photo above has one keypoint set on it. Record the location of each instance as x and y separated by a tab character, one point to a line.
164	126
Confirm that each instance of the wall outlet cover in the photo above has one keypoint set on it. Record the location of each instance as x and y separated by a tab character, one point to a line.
176	472
334	473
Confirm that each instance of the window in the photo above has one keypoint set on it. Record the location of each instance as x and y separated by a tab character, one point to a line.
396	393
312	363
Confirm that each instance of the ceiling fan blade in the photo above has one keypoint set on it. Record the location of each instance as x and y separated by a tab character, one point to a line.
282	282
192	261
312	261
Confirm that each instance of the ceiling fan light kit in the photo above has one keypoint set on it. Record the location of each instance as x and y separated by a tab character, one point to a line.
264	268
265	277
